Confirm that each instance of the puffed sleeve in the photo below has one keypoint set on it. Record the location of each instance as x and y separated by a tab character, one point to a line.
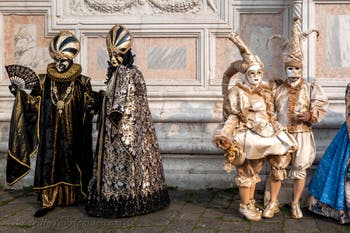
318	103
231	109
23	136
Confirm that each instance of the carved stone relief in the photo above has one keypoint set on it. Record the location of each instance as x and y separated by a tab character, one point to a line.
143	7
26	51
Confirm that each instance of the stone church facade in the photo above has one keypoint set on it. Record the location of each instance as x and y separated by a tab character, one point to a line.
182	49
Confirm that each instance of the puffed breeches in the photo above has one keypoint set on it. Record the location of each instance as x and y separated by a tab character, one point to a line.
248	172
303	158
300	160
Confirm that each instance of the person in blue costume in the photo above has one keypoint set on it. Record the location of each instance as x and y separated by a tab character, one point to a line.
330	185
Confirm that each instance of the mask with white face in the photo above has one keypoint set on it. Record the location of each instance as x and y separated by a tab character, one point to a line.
293	73
254	75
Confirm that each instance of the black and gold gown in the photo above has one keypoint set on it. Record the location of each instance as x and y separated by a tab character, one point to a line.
54	121
128	176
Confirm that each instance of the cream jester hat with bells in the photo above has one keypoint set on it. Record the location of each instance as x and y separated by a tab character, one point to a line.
292	51
241	66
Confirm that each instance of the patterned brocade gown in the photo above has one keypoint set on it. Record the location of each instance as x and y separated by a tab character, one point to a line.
128	174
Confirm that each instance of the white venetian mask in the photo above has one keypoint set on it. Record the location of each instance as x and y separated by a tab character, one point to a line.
293	73
254	75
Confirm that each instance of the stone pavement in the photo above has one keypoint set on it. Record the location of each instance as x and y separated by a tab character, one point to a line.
212	210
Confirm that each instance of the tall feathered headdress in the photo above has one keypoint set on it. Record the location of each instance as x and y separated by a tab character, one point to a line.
64	45
292	51
119	41
249	59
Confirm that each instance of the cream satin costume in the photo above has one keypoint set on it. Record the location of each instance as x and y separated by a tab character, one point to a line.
250	132
249	120
296	96
303	97
252	125
299	105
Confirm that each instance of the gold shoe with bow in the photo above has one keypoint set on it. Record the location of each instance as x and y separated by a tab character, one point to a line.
296	211
271	209
257	209
249	212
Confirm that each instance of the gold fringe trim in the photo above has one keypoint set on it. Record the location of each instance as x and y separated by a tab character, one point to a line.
60	195
293	125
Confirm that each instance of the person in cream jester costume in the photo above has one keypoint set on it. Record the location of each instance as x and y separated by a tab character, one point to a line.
249	132
299	105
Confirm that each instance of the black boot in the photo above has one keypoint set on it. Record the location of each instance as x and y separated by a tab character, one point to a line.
42	212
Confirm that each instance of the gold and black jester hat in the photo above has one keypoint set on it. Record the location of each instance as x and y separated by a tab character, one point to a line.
119	42
64	46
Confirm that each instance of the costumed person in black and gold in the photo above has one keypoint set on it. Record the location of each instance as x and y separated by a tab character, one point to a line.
54	120
128	176
250	132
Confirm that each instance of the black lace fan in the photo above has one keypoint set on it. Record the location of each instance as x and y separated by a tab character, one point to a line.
22	77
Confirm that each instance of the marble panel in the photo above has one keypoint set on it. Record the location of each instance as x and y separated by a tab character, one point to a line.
97	57
167	58
338	45
25	42
226	52
157	58
255	29
333	23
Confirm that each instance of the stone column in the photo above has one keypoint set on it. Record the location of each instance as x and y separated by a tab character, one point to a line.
298	10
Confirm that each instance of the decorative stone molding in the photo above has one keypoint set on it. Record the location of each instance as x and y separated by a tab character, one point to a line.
142	12
125	6
186	107
159	6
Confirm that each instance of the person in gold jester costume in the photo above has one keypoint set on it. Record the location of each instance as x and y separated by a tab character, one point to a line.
54	120
299	105
250	132
128	177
